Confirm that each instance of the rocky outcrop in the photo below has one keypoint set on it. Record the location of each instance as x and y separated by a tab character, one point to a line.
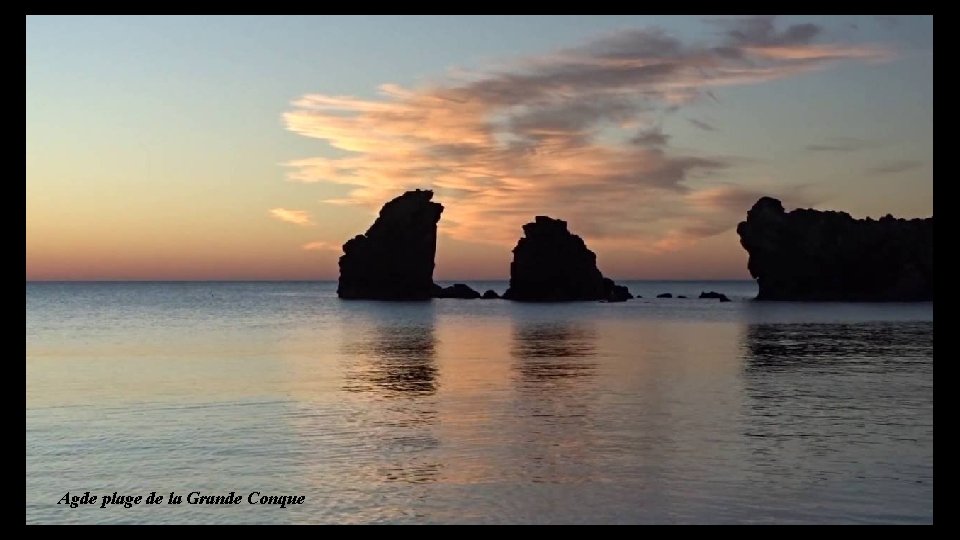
458	290
823	255
490	294
713	294
665	295
615	293
394	259
550	265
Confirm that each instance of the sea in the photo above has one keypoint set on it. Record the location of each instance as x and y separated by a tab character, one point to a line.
651	411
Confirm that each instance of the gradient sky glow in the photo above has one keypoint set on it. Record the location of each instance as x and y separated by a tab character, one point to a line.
184	147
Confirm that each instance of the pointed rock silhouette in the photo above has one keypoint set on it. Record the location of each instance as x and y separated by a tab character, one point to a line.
394	260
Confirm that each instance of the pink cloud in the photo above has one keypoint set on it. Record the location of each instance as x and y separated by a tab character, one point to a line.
320	246
297	217
574	134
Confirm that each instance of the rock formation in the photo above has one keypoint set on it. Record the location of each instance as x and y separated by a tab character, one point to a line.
457	290
550	264
665	295
615	293
713	294
813	255
394	259
490	294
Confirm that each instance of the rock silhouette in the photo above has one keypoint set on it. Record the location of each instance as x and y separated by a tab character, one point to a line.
825	255
550	264
394	259
458	290
615	293
665	295
490	294
681	296
713	294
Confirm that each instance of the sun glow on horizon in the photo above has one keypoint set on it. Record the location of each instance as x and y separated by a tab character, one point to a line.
650	136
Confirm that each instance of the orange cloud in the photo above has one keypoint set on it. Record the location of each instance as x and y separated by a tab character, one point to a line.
297	217
320	246
573	134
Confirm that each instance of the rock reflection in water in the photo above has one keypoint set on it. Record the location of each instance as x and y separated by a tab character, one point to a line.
876	346
395	360
553	351
868	384
393	370
555	377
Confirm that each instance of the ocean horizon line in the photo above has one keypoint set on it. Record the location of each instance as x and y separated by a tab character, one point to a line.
461	280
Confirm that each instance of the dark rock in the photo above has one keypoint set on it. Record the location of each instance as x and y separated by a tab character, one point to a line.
490	294
550	264
665	295
681	296
614	292
458	290
824	255
720	296
394	259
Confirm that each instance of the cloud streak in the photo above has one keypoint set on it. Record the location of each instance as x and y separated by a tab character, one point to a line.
320	246
297	217
701	124
840	145
893	167
575	134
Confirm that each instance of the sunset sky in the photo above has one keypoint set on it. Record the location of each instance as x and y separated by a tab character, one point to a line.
254	147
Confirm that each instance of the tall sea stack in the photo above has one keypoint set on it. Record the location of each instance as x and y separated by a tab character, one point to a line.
550	265
394	260
823	255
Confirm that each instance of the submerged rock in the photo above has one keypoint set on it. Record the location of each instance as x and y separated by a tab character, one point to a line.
490	294
458	290
550	264
394	259
665	295
824	255
712	294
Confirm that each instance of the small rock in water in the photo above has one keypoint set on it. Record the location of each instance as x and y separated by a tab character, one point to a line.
712	294
458	290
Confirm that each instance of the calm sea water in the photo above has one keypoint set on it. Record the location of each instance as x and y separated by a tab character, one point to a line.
455	411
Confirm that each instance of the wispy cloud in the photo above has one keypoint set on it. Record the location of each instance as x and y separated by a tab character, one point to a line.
320	246
297	217
701	124
840	144
575	134
893	167
713	210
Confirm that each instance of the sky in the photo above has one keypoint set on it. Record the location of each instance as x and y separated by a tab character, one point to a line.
253	147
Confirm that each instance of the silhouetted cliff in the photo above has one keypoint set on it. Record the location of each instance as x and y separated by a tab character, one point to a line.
551	264
394	259
821	255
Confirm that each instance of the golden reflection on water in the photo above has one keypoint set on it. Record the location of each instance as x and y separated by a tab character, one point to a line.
474	412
